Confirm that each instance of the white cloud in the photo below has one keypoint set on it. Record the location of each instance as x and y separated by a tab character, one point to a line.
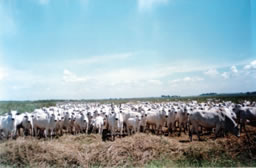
140	81
103	58
84	2
225	75
71	77
211	72
234	69
44	2
125	77
132	76
186	79
3	74
251	65
155	82
148	4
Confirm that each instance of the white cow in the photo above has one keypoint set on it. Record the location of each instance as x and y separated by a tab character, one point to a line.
133	125
171	119
245	114
156	118
22	122
112	120
209	119
99	124
7	125
181	117
45	122
80	123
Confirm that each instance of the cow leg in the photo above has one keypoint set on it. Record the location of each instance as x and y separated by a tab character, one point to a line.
191	131
34	131
51	133
45	133
101	130
190	134
159	128
176	125
61	131
173	127
198	135
112	132
184	128
241	123
180	129
169	128
121	132
156	129
86	129
217	130
197	132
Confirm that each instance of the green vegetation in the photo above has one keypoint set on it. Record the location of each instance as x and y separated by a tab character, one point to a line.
29	106
24	106
138	150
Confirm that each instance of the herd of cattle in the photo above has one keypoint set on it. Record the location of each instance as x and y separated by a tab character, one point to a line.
127	119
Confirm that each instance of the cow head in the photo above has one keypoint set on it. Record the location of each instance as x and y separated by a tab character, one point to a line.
231	126
53	118
237	108
165	113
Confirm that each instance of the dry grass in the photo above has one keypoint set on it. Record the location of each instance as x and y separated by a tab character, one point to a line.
137	150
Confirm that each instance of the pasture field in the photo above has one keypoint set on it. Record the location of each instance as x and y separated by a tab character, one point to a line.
139	150
24	106
134	151
29	106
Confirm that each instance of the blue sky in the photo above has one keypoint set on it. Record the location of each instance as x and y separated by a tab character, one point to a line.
74	49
